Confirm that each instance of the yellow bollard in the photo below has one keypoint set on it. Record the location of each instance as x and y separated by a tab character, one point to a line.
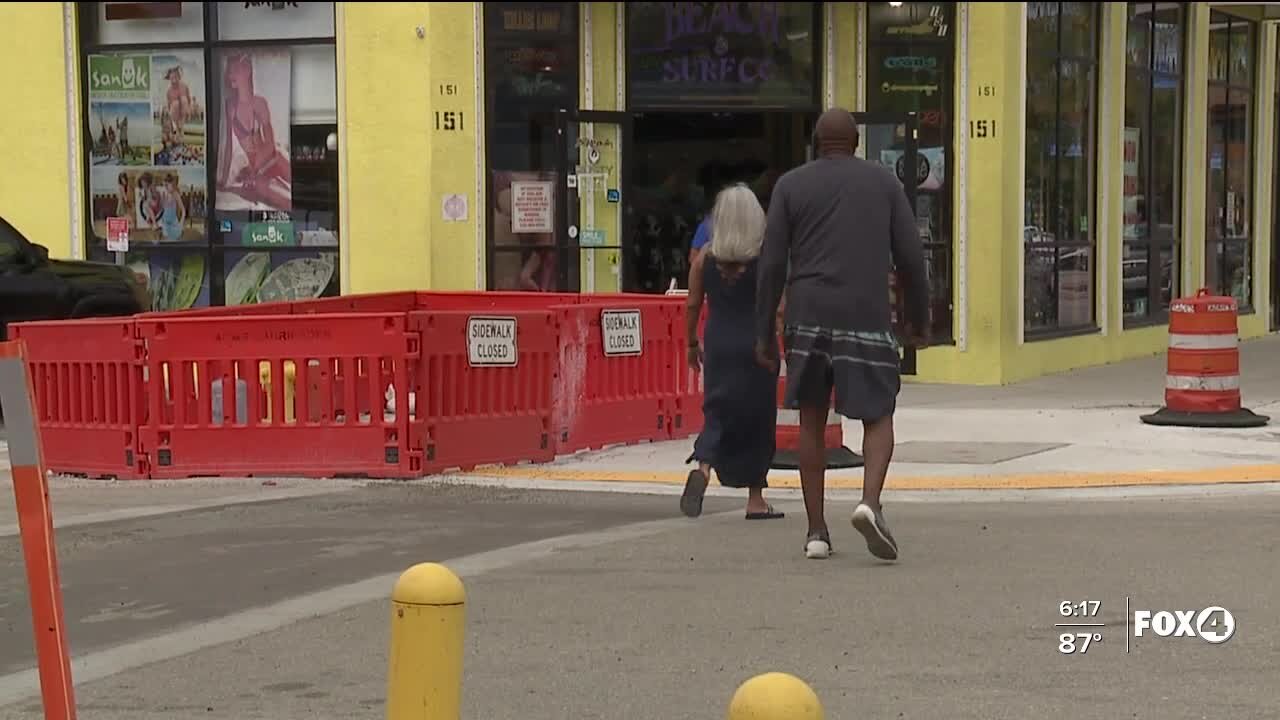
264	379
428	612
775	696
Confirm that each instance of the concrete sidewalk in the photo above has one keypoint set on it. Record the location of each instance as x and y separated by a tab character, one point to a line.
1072	430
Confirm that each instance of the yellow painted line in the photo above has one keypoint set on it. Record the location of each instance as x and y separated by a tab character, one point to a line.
987	481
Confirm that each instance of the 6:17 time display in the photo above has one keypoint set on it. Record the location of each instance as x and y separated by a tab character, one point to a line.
1084	608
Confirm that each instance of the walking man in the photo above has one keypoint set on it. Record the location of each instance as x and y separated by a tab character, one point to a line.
834	226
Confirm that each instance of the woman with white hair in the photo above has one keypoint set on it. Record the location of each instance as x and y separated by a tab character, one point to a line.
739	398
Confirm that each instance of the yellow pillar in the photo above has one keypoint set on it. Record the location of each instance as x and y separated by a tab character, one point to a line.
37	185
386	148
775	696
455	129
428	613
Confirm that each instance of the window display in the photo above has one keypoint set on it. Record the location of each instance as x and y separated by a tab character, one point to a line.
1229	181
229	144
1059	235
1152	158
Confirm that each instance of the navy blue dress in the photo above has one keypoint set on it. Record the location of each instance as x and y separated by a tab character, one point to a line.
739	403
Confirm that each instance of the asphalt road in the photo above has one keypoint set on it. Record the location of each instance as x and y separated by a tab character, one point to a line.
606	606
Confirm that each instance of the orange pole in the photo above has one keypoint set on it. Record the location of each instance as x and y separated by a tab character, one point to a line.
35	524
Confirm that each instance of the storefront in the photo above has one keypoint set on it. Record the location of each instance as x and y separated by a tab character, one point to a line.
1074	166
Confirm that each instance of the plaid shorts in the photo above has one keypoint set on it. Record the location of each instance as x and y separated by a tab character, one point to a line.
863	368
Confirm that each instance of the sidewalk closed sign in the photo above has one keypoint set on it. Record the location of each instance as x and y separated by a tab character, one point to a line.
491	341
621	332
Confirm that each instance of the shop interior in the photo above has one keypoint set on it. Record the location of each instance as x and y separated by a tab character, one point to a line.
681	160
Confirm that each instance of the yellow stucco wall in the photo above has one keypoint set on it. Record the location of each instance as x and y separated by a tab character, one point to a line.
385	172
36	184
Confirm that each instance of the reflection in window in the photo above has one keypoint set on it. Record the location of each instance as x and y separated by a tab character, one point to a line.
1152	157
531	71
1059	236
1229	183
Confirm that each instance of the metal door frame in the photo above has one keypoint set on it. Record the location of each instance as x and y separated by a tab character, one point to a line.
910	153
568	214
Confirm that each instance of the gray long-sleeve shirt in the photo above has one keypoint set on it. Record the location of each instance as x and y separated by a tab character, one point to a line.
833	227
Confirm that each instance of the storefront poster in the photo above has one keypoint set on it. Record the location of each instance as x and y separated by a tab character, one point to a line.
531	206
147	149
175	281
259	277
178	112
931	171
163	204
254	165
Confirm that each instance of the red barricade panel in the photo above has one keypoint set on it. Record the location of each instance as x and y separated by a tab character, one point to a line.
492	300
87	377
391	302
617	361
684	411
275	308
483	387
279	395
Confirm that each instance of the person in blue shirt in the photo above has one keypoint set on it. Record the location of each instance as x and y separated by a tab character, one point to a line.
701	236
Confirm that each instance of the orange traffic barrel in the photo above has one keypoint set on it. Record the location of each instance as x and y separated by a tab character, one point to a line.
1202	383
786	454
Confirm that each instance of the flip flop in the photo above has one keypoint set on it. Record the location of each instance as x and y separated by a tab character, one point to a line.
769	514
695	487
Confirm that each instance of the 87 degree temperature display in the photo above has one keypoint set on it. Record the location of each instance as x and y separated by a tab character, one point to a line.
1080	628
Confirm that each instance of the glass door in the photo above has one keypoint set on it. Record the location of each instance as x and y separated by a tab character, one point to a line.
891	139
593	230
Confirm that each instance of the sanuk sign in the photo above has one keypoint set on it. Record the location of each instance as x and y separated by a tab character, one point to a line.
124	74
621	332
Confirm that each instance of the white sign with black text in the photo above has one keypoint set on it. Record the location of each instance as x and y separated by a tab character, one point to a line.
621	332
491	341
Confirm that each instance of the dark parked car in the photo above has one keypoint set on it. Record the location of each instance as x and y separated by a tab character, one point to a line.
34	287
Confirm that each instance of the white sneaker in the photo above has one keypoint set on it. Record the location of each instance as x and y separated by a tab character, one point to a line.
875	530
818	546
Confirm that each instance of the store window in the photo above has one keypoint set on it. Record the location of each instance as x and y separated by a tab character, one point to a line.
1152	159
1229	183
722	55
1059	240
531	73
211	131
910	69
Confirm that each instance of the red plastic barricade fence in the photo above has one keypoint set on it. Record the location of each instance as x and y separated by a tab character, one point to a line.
392	384
684	408
88	391
483	387
616	373
224	398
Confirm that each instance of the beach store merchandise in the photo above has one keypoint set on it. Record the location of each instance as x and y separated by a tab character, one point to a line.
1074	167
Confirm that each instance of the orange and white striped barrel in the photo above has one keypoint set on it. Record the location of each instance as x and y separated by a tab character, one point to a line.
1204	355
35	528
786	434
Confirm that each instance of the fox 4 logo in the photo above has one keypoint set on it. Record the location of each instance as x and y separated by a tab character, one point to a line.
1213	624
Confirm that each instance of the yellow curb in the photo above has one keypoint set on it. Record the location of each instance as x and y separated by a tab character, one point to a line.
1037	481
